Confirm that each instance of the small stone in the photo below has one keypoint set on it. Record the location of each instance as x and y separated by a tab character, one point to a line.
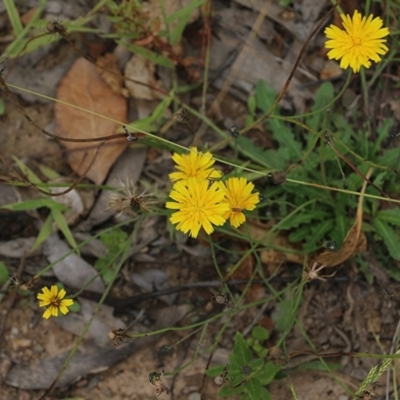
18	344
194	396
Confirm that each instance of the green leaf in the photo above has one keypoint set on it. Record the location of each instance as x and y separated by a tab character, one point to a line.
260	333
13	15
300	234
303	218
49	173
2	107
150	55
265	95
29	174
248	148
391	216
251	104
226	391
76	307
254	388
268	373
215	371
183	15
3	273
34	204
45	231
390	237
241	354
64	228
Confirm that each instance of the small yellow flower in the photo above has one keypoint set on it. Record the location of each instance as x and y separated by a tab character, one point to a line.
359	42
239	197
54	300
199	206
194	165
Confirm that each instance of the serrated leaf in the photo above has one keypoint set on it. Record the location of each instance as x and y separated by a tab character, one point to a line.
303	218
248	148
265	95
241	353
318	232
390	237
299	234
391	216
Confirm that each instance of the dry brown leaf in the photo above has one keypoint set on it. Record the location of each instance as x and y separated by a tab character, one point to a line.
83	86
354	243
142	70
273	256
109	71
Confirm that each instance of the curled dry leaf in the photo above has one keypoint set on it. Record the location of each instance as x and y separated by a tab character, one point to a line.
354	243
109	71
83	86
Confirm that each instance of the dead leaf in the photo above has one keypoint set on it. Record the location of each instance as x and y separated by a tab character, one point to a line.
330	70
272	256
83	86
107	66
142	70
354	243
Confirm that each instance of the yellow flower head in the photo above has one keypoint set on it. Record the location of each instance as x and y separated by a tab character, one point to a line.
239	197
195	164
198	206
359	42
54	300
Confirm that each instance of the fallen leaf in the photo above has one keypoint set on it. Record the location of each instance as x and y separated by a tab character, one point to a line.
107	66
355	241
142	70
83	86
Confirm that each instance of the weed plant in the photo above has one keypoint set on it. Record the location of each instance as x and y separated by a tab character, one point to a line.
309	185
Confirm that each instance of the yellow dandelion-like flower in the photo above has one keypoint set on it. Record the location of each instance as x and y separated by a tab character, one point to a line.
239	197
54	300
194	165
359	42
198	206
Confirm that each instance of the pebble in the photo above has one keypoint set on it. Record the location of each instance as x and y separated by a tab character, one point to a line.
194	396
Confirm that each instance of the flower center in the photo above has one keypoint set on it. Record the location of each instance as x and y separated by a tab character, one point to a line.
55	302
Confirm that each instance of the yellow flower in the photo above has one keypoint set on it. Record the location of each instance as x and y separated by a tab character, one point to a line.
239	197
54	300
198	205
195	164
359	42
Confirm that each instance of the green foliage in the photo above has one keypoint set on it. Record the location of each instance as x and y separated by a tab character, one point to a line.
245	374
114	240
3	273
329	215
